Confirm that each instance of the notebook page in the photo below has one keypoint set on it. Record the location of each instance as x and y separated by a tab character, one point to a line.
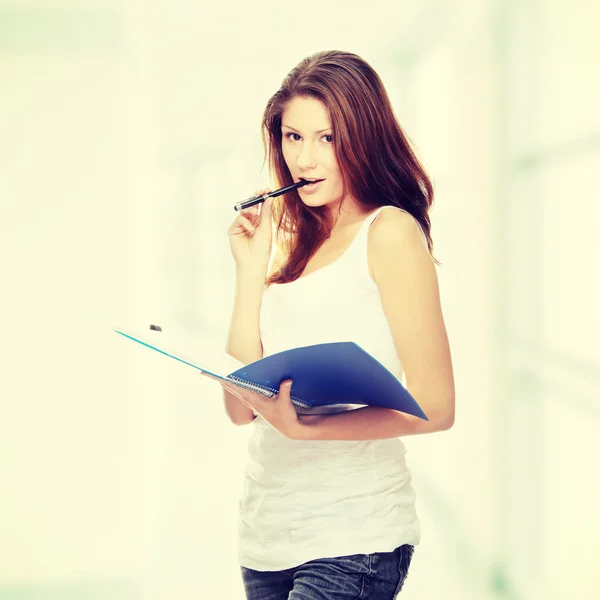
200	350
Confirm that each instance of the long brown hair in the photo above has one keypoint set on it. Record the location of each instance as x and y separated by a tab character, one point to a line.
377	163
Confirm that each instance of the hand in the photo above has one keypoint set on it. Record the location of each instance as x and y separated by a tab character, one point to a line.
278	411
250	235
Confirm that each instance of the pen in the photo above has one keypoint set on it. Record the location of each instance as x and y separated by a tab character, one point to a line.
258	199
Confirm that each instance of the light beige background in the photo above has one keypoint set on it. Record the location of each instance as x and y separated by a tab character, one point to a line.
128	129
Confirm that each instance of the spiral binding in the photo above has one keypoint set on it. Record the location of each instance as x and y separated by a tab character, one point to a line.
264	389
261	389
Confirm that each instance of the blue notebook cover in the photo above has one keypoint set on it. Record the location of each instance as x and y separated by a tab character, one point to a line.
336	373
325	376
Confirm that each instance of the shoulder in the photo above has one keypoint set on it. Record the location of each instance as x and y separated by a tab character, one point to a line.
394	231
398	252
396	246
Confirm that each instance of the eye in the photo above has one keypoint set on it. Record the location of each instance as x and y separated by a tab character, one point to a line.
291	133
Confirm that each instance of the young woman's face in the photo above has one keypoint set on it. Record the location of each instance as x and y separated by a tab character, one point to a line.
307	144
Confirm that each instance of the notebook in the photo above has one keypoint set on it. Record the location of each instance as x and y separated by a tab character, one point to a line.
327	377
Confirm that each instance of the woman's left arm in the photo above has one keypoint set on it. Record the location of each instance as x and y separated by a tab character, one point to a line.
406	277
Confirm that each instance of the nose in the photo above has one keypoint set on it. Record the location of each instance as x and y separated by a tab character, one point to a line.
307	159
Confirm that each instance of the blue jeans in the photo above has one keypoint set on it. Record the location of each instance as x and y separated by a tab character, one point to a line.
355	577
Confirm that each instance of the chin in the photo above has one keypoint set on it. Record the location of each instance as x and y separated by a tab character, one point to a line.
313	202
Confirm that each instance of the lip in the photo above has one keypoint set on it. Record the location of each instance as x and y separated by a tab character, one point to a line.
310	188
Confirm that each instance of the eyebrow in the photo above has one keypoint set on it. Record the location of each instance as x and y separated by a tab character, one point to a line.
320	130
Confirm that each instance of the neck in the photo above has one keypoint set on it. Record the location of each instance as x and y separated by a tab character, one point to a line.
346	213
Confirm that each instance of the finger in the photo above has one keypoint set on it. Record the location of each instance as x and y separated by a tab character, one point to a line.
241	225
285	387
237	394
250	212
232	390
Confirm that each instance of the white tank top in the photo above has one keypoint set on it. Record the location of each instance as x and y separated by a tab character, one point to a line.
304	500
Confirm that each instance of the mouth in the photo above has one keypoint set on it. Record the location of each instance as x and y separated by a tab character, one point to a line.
310	187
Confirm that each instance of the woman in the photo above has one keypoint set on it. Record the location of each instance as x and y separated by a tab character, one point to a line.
328	509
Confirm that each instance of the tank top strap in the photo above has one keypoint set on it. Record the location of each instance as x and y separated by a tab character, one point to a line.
367	222
361	237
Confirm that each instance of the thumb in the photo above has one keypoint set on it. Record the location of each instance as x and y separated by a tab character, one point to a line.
286	385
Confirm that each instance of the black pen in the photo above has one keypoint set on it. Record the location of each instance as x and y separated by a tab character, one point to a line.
258	199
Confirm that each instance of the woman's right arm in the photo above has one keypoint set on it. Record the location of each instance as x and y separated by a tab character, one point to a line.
250	240
243	341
